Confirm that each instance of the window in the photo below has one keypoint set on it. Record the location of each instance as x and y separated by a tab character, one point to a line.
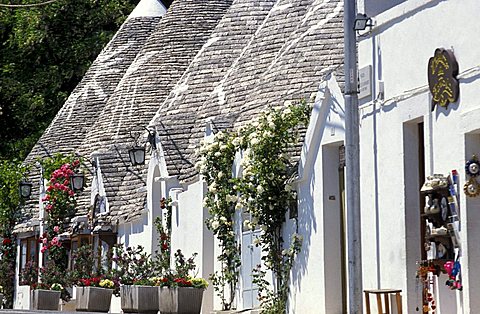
78	241
28	251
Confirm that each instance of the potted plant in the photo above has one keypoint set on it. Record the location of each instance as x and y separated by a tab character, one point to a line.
94	294
45	297
94	289
179	293
138	292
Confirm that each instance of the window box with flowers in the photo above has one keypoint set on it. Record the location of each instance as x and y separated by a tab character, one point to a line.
94	294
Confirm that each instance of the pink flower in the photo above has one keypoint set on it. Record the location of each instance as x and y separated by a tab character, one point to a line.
55	242
56	229
44	248
44	241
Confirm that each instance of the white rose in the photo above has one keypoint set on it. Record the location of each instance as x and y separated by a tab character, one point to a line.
220	175
217	154
260	189
237	141
215	224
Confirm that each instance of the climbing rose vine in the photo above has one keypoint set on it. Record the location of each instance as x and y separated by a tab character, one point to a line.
59	203
216	158
264	189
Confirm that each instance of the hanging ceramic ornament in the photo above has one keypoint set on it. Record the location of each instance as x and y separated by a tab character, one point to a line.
472	167
471	188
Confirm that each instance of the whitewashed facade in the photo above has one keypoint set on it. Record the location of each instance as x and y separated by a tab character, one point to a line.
403	141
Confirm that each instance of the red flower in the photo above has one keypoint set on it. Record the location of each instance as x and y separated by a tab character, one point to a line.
6	241
164	246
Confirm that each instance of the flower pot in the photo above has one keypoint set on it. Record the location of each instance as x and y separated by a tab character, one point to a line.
45	300
181	300
139	299
93	299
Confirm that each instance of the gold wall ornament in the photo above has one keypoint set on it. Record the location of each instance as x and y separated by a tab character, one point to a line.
442	77
471	188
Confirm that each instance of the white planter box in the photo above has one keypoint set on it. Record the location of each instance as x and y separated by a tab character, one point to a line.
93	299
139	299
45	300
181	300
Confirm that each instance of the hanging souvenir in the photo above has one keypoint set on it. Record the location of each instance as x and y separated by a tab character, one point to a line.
472	167
471	188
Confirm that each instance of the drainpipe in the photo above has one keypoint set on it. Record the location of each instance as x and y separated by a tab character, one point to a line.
352	159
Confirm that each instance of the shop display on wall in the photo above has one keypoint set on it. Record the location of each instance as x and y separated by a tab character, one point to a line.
442	236
472	170
442	78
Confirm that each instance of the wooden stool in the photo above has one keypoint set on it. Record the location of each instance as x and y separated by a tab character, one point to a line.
386	293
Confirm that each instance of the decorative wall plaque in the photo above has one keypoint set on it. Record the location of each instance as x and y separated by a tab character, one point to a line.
442	77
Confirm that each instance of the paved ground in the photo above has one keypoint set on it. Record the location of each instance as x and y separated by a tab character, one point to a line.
31	311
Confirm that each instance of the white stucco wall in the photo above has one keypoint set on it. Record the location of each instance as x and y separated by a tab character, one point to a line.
399	48
190	234
316	277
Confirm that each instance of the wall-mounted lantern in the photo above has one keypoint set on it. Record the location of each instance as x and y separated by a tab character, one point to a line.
137	153
25	188
77	181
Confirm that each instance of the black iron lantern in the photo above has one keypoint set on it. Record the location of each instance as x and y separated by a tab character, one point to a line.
137	155
362	21
25	189
77	181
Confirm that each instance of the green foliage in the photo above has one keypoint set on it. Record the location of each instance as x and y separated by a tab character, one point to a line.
264	189
11	173
267	193
161	261
53	163
45	52
133	264
217	154
84	264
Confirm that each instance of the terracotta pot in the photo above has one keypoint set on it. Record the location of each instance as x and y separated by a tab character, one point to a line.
93	299
139	299
181	300
45	300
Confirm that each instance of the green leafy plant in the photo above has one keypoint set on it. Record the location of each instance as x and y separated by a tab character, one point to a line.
217	154
161	261
263	189
267	193
52	275
183	275
133	265
59	203
11	174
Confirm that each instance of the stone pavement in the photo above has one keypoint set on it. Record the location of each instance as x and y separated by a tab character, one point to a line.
41	312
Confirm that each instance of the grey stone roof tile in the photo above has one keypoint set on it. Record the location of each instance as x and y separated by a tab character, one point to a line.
147	83
80	111
292	49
